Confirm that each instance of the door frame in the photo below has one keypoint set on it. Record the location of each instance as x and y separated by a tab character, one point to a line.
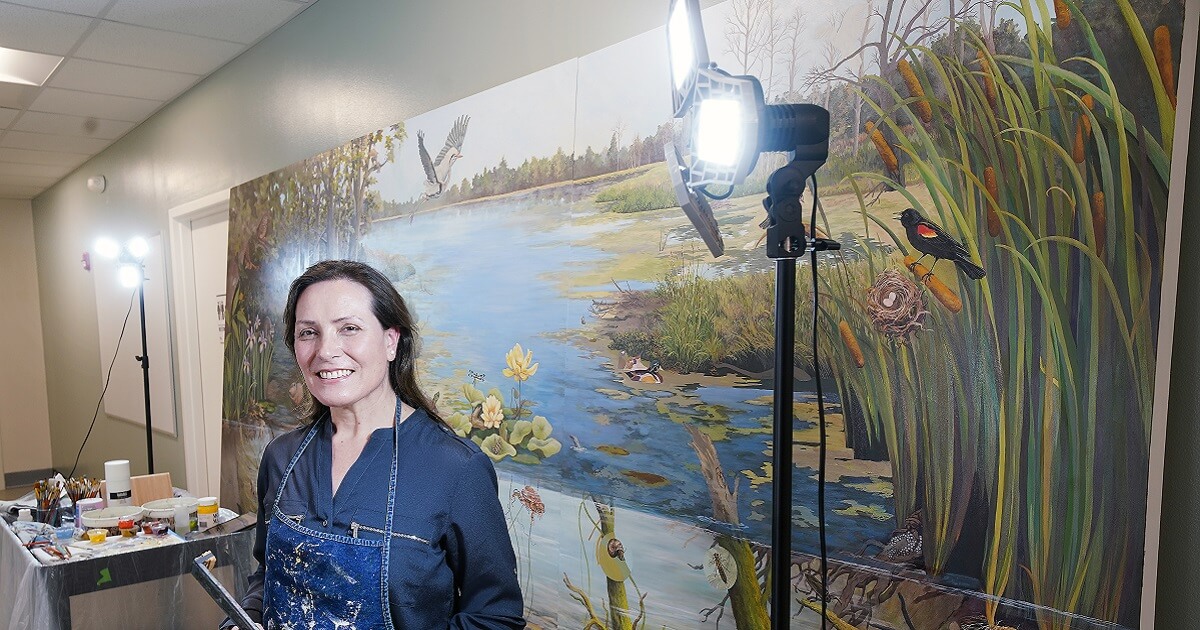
187	341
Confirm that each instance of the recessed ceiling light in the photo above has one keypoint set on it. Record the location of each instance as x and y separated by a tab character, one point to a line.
26	68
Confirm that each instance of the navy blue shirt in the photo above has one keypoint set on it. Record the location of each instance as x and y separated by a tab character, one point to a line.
452	562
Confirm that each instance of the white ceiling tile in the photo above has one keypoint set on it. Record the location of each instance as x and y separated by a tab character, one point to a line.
52	142
234	20
45	158
151	48
78	7
108	107
26	28
34	170
17	96
25	180
7	115
107	78
21	192
88	127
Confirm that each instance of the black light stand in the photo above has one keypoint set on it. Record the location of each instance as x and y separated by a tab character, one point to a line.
144	359
787	241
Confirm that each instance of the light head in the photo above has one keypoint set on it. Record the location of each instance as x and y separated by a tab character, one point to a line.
686	51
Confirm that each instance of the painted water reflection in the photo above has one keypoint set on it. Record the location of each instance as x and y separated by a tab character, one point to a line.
624	439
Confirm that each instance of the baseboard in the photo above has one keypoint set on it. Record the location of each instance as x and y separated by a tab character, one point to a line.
26	477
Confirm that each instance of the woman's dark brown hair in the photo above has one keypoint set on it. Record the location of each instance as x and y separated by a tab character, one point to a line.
389	309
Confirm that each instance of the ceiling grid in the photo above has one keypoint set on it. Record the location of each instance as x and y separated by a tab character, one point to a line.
123	61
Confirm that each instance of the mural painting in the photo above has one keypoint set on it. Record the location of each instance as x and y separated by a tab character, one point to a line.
998	179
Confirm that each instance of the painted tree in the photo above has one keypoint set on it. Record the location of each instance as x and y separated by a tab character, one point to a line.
361	160
744	33
773	37
860	73
794	30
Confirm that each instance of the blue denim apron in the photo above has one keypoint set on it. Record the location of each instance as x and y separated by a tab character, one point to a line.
316	580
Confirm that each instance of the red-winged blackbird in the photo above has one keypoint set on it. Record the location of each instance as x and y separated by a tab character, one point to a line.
931	240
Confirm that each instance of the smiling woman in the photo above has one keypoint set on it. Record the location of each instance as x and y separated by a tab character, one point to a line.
327	523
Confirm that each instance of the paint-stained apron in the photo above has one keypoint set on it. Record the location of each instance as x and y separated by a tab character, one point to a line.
316	580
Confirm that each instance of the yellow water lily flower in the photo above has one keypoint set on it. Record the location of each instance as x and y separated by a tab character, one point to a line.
519	367
493	412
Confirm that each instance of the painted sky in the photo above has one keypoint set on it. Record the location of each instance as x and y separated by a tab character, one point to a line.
625	87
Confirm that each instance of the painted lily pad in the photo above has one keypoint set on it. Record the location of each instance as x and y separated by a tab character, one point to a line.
612	450
648	479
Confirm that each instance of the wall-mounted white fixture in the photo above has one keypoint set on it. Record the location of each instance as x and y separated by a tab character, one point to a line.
96	183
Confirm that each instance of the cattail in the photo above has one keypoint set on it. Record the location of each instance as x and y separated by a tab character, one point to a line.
1062	14
1084	119
1166	60
989	84
943	293
885	151
924	111
993	217
1077	146
1099	221
856	352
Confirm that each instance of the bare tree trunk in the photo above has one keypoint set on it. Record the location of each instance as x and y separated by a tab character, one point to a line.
862	67
742	32
331	237
618	599
745	596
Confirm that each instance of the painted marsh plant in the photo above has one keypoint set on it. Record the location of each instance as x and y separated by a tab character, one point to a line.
505	431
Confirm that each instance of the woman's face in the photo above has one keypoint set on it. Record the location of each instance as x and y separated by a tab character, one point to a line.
341	348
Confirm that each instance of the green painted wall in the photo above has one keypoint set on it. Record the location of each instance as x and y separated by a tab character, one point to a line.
1179	551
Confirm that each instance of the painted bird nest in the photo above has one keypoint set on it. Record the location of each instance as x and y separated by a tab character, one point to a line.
895	306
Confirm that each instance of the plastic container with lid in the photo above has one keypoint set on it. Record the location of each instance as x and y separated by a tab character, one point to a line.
206	513
109	518
84	506
116	482
178	513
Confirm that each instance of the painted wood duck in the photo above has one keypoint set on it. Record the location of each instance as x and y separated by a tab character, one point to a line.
645	375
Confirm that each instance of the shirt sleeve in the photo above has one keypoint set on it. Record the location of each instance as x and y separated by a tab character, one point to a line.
480	553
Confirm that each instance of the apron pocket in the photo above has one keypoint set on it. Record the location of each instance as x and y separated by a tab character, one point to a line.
416	563
293	511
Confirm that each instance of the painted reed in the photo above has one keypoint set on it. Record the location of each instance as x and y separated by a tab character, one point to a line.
1042	381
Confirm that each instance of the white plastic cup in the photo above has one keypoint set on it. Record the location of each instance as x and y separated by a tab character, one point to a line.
185	516
116	481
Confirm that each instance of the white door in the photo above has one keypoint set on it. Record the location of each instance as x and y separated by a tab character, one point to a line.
210	247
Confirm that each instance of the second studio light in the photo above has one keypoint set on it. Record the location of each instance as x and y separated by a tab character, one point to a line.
131	273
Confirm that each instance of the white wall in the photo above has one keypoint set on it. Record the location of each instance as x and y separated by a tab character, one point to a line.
24	413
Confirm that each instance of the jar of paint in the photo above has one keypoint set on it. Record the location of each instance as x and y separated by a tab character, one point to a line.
206	513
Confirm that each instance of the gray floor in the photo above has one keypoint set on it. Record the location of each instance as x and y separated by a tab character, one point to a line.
8	494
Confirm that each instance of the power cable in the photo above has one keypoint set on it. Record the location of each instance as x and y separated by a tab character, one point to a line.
96	414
